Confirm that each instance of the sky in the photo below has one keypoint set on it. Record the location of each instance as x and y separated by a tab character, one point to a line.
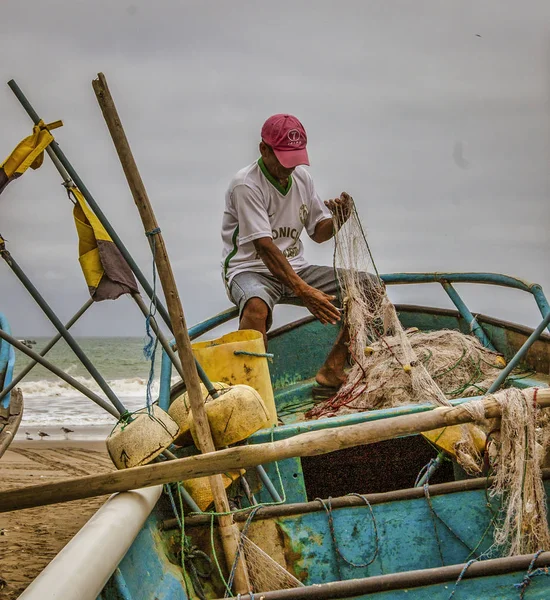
434	115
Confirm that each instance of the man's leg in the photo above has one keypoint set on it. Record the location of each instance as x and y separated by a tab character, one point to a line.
255	294
331	374
254	316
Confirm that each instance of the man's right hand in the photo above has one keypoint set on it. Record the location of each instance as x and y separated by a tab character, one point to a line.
320	305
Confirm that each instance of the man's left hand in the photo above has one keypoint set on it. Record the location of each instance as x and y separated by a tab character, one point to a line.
340	207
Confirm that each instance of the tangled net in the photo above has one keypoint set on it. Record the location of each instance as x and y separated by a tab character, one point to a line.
389	365
517	447
458	364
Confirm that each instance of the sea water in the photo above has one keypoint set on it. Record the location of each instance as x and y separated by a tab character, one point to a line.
50	403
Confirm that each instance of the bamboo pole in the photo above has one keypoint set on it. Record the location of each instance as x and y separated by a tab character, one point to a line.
228	530
313	443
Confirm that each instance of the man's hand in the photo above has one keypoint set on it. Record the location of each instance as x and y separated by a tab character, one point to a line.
319	305
340	208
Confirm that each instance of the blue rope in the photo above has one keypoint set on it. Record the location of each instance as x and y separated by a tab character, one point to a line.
526	582
462	573
150	348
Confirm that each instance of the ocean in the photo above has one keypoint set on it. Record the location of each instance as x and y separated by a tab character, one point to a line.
50	403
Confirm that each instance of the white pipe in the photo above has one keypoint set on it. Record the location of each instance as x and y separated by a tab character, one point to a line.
83	567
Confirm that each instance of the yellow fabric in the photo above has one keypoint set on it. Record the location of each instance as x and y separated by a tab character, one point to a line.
89	230
30	151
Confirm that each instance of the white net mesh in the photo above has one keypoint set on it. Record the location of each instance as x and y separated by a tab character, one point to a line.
390	366
522	526
264	572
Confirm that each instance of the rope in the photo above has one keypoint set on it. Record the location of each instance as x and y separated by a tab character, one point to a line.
239	549
435	516
526	582
267	355
328	510
462	573
150	348
190	554
242	510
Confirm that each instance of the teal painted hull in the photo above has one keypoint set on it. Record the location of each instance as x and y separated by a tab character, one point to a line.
410	536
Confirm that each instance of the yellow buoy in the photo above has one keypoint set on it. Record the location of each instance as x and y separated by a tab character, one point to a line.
234	415
179	411
143	439
200	490
239	357
446	438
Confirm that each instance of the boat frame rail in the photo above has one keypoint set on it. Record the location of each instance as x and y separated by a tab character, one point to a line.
446	280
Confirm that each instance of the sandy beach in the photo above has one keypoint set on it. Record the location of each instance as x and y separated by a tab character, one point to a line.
29	539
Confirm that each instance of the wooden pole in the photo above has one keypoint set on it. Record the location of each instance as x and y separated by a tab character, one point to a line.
313	443
228	530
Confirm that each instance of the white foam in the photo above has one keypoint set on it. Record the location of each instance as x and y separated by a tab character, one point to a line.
131	387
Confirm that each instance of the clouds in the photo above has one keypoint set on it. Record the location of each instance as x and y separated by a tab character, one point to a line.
396	97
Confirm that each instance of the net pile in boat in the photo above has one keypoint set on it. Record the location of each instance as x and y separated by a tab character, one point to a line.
264	572
390	366
458	364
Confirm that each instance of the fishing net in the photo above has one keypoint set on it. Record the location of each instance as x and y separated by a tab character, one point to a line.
391	366
518	454
456	363
264	572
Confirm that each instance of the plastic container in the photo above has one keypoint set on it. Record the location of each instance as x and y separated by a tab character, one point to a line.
239	357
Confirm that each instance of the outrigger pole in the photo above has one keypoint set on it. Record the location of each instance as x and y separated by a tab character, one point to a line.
46	349
69	174
63	331
60	373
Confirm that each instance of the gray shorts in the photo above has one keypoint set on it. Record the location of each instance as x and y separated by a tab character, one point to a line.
259	285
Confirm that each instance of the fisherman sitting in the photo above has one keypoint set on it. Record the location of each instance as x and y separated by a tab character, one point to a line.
267	205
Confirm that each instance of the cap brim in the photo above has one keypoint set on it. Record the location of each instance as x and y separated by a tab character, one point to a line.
292	158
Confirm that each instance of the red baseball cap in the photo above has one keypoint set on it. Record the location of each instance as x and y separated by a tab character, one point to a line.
287	136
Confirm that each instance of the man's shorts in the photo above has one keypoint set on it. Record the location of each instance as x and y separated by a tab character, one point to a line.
259	285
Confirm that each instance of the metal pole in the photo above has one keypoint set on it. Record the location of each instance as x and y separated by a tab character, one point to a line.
434	465
45	350
62	329
475	327
519	355
268	484
68	173
60	373
408	580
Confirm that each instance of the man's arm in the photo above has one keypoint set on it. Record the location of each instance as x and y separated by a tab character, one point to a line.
317	302
341	209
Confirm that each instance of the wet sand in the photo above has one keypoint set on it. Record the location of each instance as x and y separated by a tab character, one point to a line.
30	538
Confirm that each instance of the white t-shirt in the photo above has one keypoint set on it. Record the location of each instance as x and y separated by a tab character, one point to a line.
256	206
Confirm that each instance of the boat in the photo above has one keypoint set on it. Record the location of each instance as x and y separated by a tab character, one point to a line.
348	506
11	404
387	539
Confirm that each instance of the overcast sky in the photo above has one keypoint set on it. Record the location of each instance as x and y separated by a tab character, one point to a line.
434	115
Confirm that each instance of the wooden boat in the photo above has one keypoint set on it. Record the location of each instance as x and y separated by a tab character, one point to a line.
11	406
393	541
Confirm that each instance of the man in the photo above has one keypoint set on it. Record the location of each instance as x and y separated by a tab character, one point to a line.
267	205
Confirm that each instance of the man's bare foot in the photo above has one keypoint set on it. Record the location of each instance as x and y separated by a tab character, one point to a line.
329	377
